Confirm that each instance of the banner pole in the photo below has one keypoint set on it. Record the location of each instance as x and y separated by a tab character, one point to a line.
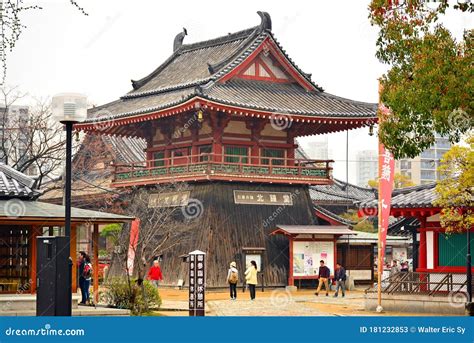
379	238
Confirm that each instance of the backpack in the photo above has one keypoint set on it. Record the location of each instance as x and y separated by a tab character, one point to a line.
234	277
87	272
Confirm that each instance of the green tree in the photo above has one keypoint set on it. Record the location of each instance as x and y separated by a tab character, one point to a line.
429	86
362	223
455	190
399	181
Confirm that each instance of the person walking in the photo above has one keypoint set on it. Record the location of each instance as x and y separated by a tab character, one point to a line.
233	279
81	264
340	277
251	278
154	274
324	273
87	275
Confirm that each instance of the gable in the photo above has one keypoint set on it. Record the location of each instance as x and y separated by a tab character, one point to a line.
264	67
269	63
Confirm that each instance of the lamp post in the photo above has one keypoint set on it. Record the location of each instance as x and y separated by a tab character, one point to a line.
68	109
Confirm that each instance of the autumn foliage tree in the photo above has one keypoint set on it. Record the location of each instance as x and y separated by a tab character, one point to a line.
429	86
455	190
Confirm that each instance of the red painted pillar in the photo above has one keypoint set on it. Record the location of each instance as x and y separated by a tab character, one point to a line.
422	249
95	268
291	281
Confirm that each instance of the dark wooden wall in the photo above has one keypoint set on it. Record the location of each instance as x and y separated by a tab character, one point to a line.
225	228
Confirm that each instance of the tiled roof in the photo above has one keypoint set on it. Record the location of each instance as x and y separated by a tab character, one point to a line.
313	229
126	149
410	197
195	70
35	209
14	184
334	216
286	98
340	192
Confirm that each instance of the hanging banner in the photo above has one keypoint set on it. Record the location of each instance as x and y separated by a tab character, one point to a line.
134	230
386	172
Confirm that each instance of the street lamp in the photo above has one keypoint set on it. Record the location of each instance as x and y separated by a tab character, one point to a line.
68	109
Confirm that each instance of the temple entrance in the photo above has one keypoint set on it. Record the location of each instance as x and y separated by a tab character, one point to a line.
14	258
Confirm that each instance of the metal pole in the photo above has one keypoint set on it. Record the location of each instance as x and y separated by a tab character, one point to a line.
67	207
469	307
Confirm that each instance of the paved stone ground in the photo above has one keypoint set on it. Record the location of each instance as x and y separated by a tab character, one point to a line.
282	303
277	302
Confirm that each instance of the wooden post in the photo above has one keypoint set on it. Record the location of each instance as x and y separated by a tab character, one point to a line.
95	268
73	254
291	281
32	260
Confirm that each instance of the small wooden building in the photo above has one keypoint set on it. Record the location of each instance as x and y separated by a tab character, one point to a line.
436	252
23	218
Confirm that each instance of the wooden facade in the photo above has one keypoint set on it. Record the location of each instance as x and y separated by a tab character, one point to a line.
226	228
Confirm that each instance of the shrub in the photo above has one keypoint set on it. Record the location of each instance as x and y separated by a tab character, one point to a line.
138	299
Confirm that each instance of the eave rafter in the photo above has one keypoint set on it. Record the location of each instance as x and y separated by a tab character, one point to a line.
303	123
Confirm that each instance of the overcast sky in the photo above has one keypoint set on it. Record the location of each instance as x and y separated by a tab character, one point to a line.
62	50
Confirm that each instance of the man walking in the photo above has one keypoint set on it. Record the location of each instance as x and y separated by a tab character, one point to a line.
340	276
323	278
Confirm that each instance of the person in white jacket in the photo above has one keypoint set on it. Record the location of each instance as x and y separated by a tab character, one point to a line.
233	279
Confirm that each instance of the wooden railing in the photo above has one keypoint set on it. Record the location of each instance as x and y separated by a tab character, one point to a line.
225	167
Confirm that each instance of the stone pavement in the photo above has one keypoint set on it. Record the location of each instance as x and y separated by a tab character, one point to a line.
273	302
283	303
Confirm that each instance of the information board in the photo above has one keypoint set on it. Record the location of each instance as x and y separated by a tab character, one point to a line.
306	257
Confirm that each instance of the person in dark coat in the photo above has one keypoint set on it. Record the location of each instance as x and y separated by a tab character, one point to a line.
324	274
82	280
340	277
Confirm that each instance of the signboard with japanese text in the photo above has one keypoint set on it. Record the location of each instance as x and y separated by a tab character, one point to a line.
169	199
386	172
263	198
197	283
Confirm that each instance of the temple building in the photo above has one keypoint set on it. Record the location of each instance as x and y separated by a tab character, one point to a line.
223	116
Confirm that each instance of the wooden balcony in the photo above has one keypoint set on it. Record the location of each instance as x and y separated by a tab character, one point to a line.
225	168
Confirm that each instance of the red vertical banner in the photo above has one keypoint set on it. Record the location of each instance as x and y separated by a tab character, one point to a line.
386	172
132	247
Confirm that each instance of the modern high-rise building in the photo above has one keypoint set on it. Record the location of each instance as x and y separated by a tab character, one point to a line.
15	140
366	167
423	169
317	149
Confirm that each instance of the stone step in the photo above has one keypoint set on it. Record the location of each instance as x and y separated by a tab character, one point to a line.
25	302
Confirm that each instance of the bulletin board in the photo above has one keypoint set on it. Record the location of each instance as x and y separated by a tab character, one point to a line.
306	257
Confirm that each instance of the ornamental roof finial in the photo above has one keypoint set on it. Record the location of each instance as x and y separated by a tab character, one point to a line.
266	23
178	40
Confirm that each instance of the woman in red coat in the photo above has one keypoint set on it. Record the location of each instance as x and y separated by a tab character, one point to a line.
154	274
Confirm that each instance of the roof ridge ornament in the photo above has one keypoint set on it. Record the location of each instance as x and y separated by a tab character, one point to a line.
178	40
266	24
